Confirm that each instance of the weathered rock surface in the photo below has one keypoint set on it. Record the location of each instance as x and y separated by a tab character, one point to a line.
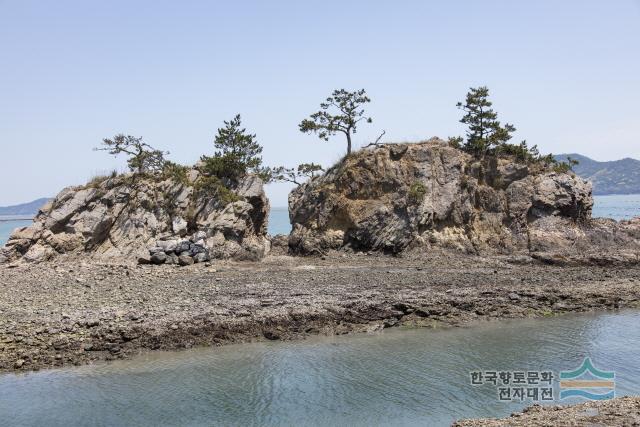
128	215
395	196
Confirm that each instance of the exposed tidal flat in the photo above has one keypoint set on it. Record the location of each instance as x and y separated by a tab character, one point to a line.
390	377
70	312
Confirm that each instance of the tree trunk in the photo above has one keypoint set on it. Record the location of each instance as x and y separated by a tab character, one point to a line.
348	143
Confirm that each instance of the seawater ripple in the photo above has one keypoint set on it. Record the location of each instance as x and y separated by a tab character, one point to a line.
399	377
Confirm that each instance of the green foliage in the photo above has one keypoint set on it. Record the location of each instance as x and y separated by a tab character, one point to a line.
455	142
341	112
484	131
143	158
309	170
521	152
284	174
564	167
224	166
417	191
206	186
176	172
238	153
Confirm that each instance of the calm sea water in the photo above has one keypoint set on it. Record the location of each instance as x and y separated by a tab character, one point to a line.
616	207
279	221
7	227
409	377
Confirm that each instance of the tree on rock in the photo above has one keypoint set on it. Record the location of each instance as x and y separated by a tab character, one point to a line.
341	112
238	152
484	131
142	157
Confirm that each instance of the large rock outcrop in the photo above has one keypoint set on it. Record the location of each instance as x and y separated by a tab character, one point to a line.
126	215
395	196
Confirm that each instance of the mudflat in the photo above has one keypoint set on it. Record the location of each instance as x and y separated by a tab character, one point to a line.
71	312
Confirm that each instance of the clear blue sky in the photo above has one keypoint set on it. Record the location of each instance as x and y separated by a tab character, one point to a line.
565	73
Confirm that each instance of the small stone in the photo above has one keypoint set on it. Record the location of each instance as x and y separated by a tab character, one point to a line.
185	260
158	258
174	326
172	258
195	249
144	260
182	247
514	297
201	257
92	323
198	235
168	246
18	364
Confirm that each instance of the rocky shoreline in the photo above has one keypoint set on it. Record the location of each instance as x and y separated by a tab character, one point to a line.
70	312
623	411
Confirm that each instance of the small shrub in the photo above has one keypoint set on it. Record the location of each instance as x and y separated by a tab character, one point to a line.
176	172
564	167
224	166
208	185
417	191
455	142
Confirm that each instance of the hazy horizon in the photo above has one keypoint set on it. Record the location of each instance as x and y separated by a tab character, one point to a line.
566	75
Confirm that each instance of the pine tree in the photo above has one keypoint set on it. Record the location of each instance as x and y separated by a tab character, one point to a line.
484	132
143	158
238	152
341	112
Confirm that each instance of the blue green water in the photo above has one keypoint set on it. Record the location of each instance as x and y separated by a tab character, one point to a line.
615	206
392	378
7	227
279	221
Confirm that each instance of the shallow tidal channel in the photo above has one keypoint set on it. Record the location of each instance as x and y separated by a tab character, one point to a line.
394	377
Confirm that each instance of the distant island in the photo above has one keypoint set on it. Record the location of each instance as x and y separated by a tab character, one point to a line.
615	177
25	209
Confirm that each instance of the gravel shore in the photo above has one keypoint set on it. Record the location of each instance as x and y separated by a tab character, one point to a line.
623	411
70	312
